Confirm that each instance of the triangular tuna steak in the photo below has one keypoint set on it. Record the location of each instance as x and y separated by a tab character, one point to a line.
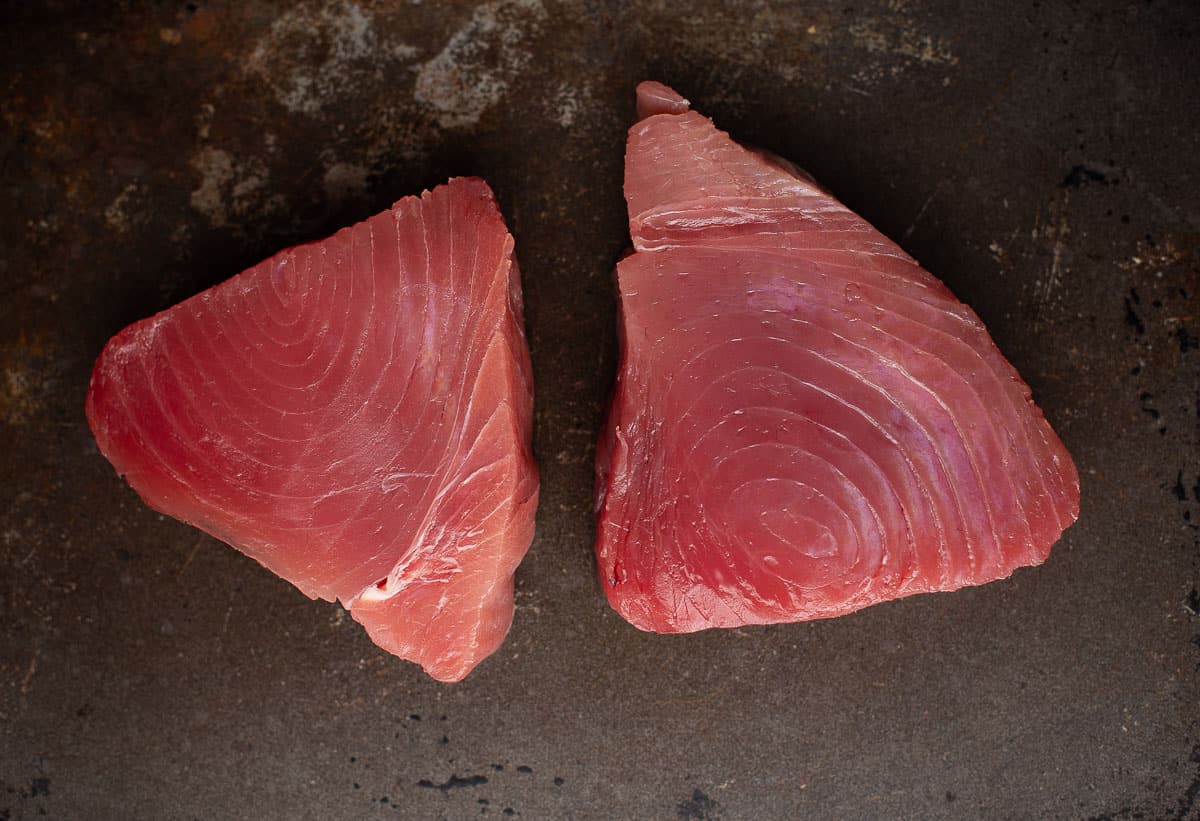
805	421
354	414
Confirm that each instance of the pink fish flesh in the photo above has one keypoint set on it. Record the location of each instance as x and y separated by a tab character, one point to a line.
805	421
354	414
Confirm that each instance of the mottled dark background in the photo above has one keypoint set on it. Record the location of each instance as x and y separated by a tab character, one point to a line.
1041	158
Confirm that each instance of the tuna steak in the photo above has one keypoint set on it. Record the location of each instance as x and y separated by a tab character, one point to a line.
354	414
805	421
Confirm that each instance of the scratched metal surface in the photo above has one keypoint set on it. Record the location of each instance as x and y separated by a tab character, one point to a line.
1040	158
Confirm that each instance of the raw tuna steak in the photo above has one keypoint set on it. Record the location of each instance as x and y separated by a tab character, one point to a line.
805	421
354	414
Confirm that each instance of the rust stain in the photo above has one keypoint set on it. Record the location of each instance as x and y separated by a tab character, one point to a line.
202	26
25	379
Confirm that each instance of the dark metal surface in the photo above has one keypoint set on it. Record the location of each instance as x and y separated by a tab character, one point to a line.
1040	158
